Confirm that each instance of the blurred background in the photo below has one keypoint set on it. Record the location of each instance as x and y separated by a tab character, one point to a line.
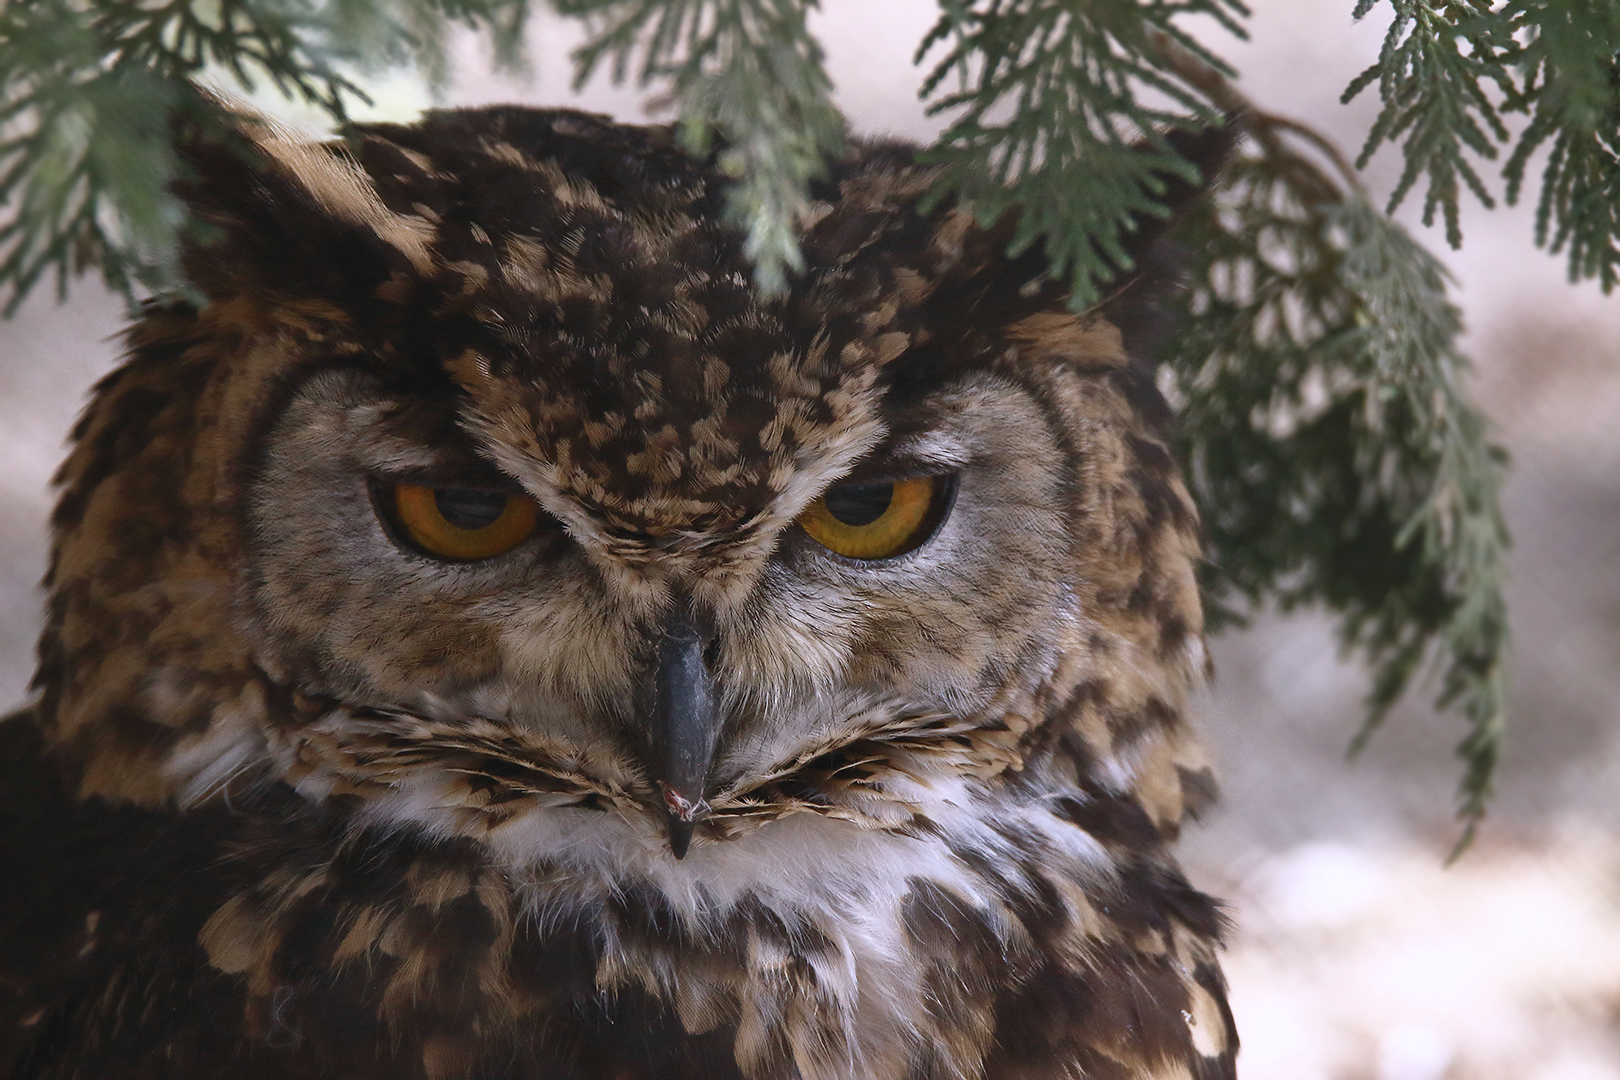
1356	954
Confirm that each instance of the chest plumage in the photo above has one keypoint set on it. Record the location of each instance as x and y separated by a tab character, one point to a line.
488	640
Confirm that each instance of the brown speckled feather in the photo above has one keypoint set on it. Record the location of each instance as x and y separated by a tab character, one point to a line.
299	799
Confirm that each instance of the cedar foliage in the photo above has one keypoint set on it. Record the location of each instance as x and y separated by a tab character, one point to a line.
1327	432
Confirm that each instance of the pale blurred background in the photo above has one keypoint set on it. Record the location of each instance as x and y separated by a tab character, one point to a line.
1356	955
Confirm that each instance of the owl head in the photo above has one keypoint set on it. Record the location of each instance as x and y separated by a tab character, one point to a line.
484	495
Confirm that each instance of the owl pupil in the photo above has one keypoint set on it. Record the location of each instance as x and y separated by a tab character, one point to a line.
859	504
468	509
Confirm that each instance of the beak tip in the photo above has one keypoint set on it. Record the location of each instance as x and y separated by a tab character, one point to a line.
680	836
681	816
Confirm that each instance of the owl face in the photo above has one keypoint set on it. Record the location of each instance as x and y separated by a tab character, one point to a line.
517	449
485	490
559	643
572	634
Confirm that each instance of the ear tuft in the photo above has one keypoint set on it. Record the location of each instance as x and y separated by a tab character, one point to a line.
1135	303
273	212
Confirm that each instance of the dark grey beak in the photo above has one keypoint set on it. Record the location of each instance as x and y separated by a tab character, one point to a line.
685	723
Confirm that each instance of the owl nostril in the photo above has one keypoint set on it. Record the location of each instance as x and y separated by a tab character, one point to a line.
711	653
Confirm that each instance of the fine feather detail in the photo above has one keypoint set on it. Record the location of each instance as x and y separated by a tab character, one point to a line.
488	772
300	801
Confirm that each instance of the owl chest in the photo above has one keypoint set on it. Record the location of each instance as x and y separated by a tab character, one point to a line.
430	959
812	951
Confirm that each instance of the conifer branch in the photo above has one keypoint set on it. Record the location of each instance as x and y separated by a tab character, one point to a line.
1330	441
1431	74
1451	69
1570	70
1058	98
748	76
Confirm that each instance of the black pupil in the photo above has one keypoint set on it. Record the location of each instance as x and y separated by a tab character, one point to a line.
859	504
467	509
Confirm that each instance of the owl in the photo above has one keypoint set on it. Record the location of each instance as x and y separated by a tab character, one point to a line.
489	640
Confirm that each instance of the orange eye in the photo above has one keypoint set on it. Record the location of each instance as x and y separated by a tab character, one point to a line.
464	523
877	520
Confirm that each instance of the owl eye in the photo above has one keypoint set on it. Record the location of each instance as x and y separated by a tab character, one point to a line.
463	523
878	520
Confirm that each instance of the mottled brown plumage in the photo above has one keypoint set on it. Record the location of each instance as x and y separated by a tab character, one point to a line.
299	798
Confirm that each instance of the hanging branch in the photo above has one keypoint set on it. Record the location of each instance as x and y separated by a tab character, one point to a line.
1444	66
1330	443
747	75
1062	112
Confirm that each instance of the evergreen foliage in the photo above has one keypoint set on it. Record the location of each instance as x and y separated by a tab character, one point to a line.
1451	69
1056	99
1326	430
746	74
1329	441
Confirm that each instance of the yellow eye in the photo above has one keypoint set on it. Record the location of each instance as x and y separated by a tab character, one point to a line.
877	520
464	523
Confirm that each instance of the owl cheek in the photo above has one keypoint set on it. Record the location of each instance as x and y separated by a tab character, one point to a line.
432	654
795	634
568	644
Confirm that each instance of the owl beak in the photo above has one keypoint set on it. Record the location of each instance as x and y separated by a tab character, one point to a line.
685	722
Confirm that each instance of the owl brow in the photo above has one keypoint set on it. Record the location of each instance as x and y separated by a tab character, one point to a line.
889	471
449	460
924	454
461	475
